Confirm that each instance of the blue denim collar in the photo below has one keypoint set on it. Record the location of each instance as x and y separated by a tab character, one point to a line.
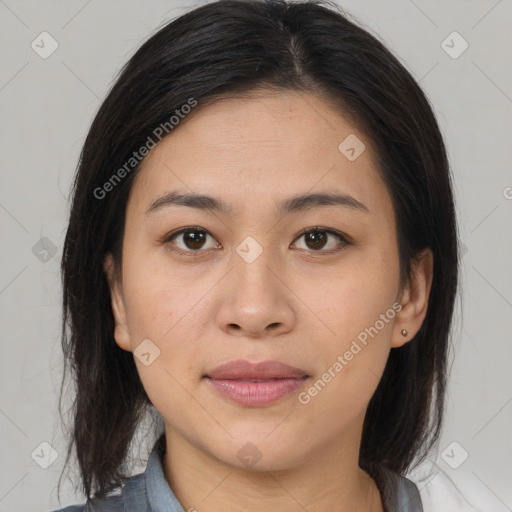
160	496
150	491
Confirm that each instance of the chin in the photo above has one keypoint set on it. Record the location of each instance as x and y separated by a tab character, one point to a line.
260	452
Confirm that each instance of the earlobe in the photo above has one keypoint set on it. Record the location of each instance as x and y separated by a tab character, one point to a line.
414	299
121	333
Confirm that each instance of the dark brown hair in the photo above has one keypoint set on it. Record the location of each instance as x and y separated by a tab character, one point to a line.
229	48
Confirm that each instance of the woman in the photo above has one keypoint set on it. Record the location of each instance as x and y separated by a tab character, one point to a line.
262	254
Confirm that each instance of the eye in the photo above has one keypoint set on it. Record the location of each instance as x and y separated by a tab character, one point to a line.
191	239
318	239
194	239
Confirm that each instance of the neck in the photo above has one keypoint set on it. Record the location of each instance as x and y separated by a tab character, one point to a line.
329	480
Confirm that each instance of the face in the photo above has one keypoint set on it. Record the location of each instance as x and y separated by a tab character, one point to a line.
253	276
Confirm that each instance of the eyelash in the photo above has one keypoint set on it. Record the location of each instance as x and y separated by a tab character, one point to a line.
194	253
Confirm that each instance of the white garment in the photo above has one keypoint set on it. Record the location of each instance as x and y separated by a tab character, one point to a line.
438	492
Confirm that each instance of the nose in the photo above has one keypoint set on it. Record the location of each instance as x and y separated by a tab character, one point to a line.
256	300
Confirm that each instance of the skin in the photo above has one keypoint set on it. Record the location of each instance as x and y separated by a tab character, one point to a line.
294	304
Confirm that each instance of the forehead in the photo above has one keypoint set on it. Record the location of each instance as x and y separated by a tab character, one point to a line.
279	143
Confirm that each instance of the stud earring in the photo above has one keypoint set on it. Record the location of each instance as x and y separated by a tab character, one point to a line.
404	332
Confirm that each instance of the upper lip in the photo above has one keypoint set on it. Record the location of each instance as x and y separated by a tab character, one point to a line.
243	369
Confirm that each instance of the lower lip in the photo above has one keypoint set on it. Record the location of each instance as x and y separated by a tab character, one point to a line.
257	394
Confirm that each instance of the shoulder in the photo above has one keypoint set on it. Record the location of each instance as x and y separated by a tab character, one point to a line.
439	492
108	504
132	496
397	492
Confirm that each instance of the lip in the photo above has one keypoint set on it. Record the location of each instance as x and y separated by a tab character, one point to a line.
255	384
243	369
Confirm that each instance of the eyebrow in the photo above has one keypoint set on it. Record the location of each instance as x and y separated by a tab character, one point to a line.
297	203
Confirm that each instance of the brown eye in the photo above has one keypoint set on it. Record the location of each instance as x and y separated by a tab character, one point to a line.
191	239
194	239
316	240
322	240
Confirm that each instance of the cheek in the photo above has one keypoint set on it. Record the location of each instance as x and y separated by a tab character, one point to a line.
358	310
169	308
160	297
158	310
353	362
358	293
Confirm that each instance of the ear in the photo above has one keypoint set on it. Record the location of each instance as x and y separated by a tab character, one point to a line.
414	299
121	333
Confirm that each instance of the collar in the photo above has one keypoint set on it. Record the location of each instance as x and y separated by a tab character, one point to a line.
150	491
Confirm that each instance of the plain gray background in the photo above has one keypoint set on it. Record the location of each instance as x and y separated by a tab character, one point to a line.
46	107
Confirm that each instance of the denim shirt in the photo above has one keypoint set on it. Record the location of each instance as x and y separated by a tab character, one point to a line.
150	492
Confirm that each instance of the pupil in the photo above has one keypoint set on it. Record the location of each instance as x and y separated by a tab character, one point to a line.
194	239
317	238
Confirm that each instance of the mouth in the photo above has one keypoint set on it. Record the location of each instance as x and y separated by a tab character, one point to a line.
255	384
242	369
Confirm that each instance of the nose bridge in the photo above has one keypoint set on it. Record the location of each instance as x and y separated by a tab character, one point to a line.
253	269
256	299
